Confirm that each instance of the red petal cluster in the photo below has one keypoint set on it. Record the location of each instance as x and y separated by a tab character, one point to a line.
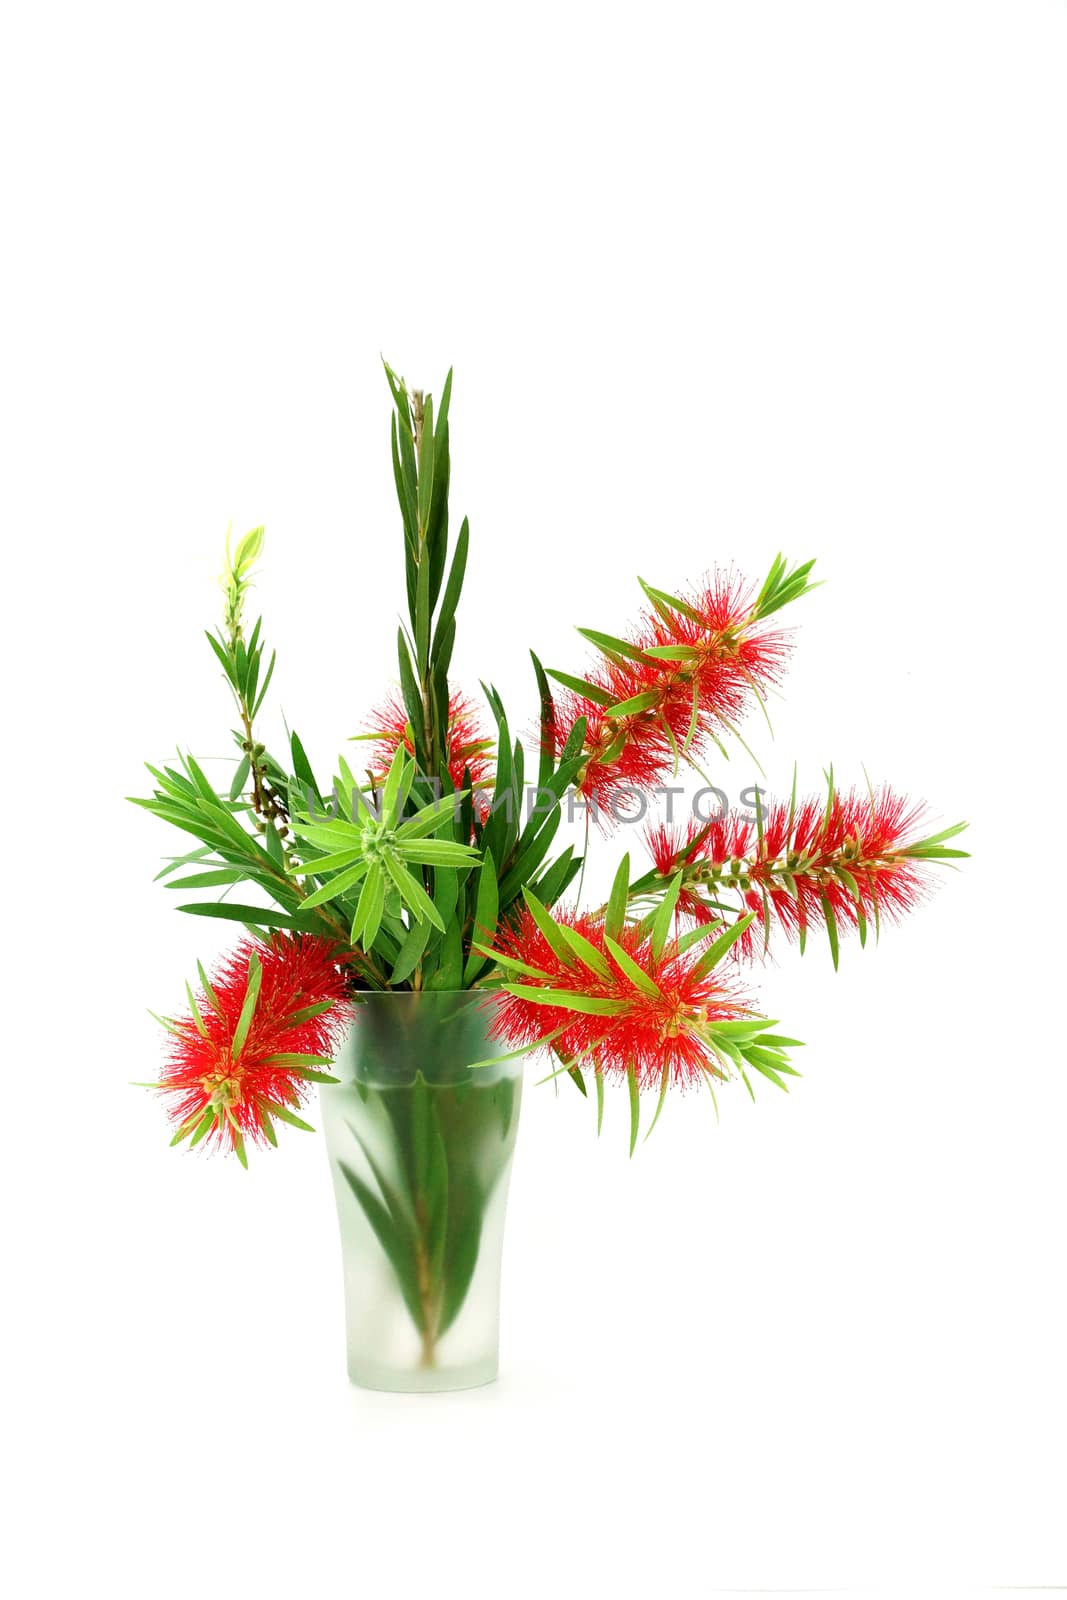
645	1032
204	1072
859	838
465	742
733	657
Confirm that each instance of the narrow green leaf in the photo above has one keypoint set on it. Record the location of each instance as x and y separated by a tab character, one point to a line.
615	918
629	967
588	1005
255	916
551	930
661	925
244	1021
453	589
636	704
715	952
587	953
413	894
224	659
195	1012
290	1117
203	1127
336	886
582	687
831	929
486	907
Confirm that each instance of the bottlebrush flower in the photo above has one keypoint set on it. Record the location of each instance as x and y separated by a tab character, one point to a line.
234	1065
836	862
629	1006
674	848
687	673
468	750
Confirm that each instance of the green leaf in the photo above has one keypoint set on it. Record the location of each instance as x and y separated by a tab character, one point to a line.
831	929
316	866
265	685
240	777
486	908
588	1005
224	659
209	880
661	924
715	952
409	688
267	1125
426	463
618	900
302	766
368	916
449	974
336	886
411	951
244	1021
195	1013
453	588
205	983
599	1103
555	879
551	930
548	723
397	1245
391	792
629	967
636	704
428	819
587	953
436	853
635	1106
255	916
666	603
413	894
582	687
611	646
290	1117
511	963
203	1127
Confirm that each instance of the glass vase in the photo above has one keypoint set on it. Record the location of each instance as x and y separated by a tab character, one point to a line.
420	1140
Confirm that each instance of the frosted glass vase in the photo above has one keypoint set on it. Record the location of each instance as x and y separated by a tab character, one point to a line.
420	1142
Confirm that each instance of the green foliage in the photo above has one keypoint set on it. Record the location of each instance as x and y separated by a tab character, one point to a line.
451	1144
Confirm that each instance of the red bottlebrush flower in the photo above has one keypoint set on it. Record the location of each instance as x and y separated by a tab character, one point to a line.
736	654
655	1027
723	653
230	1074
468	749
847	860
671	848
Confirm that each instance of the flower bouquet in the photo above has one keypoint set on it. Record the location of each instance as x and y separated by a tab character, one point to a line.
411	934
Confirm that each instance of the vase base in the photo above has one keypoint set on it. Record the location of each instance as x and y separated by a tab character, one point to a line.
423	1380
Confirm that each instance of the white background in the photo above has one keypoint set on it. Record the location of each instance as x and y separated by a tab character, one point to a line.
716	280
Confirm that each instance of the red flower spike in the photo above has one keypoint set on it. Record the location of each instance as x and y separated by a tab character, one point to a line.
650	1032
223	1083
732	657
850	855
467	747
